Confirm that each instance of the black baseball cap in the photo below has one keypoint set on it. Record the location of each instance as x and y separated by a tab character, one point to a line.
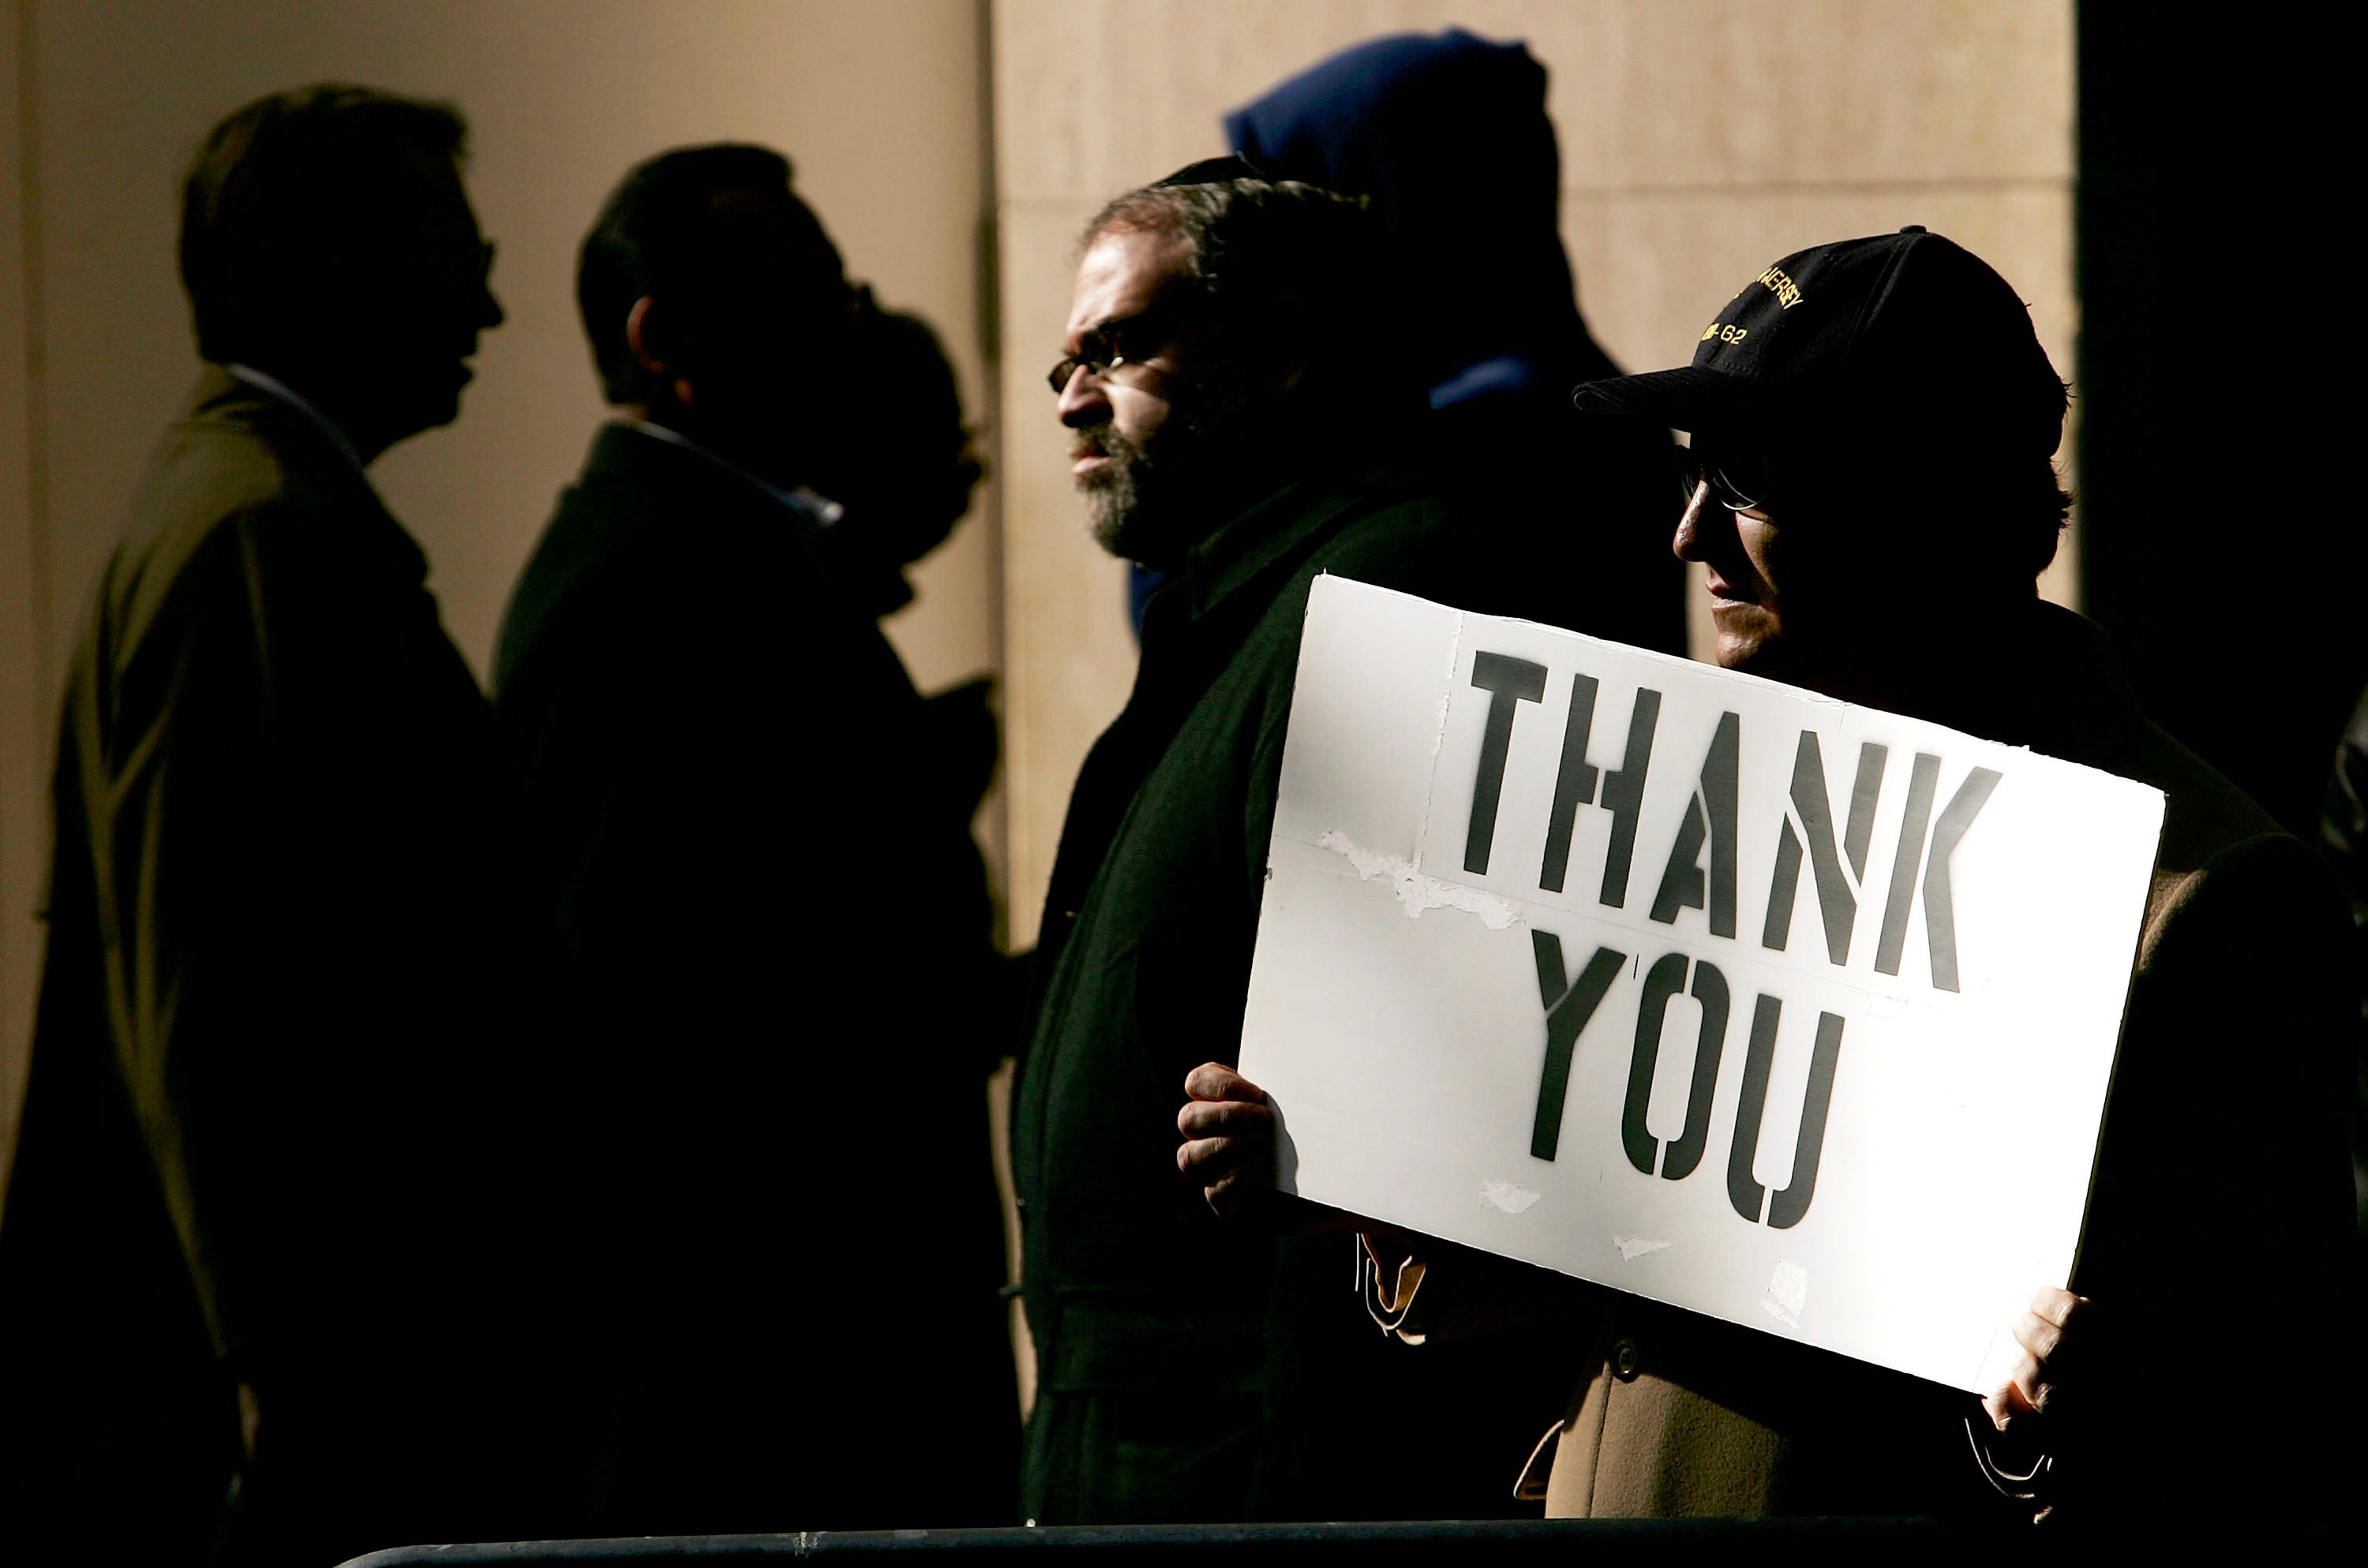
1906	332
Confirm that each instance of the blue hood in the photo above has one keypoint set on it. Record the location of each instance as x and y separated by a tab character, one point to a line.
1448	138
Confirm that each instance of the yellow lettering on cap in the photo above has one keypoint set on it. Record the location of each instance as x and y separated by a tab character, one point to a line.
1787	292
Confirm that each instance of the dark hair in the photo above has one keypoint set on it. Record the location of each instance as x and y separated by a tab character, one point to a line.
679	226
2035	530
1251	242
287	201
2039	522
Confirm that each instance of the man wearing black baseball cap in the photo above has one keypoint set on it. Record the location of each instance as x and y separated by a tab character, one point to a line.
1895	390
1873	494
1874	423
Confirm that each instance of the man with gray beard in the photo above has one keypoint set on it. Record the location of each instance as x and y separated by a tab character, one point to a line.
1240	417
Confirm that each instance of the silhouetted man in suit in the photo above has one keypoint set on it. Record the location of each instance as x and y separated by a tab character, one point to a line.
240	1234
755	854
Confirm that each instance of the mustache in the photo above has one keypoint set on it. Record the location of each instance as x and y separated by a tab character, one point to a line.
1101	441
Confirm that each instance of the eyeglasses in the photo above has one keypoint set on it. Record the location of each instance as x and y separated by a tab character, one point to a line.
1738	477
1114	342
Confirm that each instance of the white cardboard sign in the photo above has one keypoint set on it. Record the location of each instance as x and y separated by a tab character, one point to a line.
1689	983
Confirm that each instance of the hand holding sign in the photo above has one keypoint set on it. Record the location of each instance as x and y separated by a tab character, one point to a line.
1228	1138
1229	1128
2042	1333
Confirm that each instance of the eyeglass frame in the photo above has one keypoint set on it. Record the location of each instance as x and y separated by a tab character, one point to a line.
1109	335
1700	464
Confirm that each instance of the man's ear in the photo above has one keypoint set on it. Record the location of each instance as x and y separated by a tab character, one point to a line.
1289	345
648	335
641	337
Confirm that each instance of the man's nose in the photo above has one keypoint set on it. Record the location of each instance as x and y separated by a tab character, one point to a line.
1083	401
1689	544
490	313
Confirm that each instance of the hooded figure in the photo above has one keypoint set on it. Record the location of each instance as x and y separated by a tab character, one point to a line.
1448	138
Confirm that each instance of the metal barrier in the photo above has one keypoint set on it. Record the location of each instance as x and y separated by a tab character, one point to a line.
1366	1545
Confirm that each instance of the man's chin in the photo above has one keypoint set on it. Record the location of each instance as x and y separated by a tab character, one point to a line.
1152	524
1128	541
1114	519
1750	651
430	408
1104	521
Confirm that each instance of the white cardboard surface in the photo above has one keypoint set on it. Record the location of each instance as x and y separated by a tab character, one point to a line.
1398	1015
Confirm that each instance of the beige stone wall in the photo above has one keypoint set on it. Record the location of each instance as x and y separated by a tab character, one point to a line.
1701	140
880	107
24	714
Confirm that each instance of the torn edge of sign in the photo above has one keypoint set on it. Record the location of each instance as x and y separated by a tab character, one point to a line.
1633	1247
1438	733
1788	1293
1417	891
1510	1197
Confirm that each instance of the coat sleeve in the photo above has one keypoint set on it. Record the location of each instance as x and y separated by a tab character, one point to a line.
2213	1245
2343	815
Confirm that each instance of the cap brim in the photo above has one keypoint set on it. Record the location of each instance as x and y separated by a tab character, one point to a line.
1688	398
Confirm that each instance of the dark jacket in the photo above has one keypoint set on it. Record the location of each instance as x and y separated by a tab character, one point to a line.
2343	842
259	1139
1146	951
750	838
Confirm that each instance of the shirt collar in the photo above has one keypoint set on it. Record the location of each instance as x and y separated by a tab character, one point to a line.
277	387
807	503
1507	372
1279	528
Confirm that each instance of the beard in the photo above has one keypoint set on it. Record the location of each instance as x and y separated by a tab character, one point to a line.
1114	495
1150	508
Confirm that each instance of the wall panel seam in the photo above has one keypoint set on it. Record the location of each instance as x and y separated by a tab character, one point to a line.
39	612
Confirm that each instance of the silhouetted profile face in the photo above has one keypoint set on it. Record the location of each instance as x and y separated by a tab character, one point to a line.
327	240
421	328
1134	405
904	481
